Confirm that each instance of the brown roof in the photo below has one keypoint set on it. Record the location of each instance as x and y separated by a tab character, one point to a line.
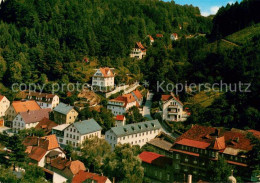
163	144
35	116
37	153
1	97
46	125
159	35
24	106
255	133
82	176
165	98
40	95
217	137
140	46
155	159
106	71
47	142
62	163
127	98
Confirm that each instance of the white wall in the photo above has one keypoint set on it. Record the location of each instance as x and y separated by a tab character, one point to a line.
4	105
172	117
58	178
41	163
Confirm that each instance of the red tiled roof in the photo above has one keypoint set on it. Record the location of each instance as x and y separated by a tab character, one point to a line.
159	35
219	143
46	125
255	133
140	46
234	139
127	98
185	152
106	71
236	163
120	117
175	34
138	94
52	141
165	97
155	159
1	97
193	143
40	95
37	153
151	38
24	106
83	176
35	116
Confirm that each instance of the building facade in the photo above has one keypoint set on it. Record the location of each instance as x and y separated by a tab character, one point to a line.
77	132
104	79
134	134
44	100
29	119
138	51
172	109
64	113
4	105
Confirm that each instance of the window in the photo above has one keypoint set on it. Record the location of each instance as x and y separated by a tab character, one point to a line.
177	156
70	136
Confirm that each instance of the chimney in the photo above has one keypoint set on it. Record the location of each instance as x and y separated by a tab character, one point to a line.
38	141
189	178
102	174
114	180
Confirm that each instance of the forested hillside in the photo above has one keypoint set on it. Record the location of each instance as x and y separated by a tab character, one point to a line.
45	36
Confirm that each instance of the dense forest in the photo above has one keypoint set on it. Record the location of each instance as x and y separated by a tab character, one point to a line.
46	36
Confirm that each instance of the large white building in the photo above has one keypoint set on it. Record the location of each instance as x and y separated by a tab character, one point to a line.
77	132
172	109
4	105
138	51
103	79
121	104
134	134
44	100
29	119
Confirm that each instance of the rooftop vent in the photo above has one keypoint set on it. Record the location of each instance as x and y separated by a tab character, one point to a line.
125	129
146	126
140	126
133	128
153	125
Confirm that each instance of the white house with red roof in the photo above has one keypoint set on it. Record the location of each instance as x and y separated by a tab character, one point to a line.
138	96
120	120
83	177
138	51
122	104
172	108
4	105
174	36
103	79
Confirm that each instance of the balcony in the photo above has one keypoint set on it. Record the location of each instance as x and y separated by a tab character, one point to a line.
172	106
172	112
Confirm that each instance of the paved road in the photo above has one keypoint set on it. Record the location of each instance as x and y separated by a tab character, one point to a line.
147	106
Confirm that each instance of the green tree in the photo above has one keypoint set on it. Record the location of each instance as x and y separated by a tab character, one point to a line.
124	165
3	67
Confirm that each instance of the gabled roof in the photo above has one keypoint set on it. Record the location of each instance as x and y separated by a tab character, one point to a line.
127	98
219	143
52	141
24	106
37	153
120	118
82	176
255	133
106	71
136	128
41	95
151	38
35	116
140	46
87	126
155	159
46	125
1	97
138	94
63	108
160	143
166	98
193	143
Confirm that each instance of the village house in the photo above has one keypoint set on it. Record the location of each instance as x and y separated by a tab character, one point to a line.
59	132
60	169
120	120
85	177
39	149
21	106
46	125
3	128
193	151
104	79
29	119
172	108
44	100
122	104
65	113
151	39
134	134
4	105
77	132
159	35
157	168
138	51
174	37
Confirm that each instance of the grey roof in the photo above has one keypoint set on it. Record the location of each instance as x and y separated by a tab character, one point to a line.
87	126
136	128
35	116
162	144
63	108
